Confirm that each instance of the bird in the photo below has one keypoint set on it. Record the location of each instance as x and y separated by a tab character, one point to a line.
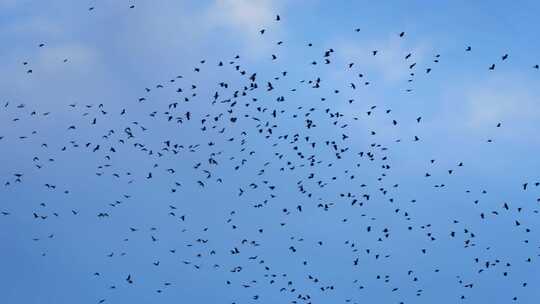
284	163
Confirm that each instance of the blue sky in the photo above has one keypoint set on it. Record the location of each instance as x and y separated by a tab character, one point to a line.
114	52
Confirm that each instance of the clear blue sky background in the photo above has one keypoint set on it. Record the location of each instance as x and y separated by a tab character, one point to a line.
114	52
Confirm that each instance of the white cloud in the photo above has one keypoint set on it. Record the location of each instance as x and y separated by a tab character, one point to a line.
243	15
247	18
510	102
8	4
501	100
473	108
390	61
171	31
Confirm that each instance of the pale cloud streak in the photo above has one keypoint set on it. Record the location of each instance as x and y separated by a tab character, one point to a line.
246	18
389	63
474	109
243	15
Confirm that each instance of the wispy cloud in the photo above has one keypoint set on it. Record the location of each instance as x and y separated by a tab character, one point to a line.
389	63
475	108
242	15
501	100
246	18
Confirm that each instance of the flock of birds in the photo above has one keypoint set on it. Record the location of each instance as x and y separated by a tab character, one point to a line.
244	135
